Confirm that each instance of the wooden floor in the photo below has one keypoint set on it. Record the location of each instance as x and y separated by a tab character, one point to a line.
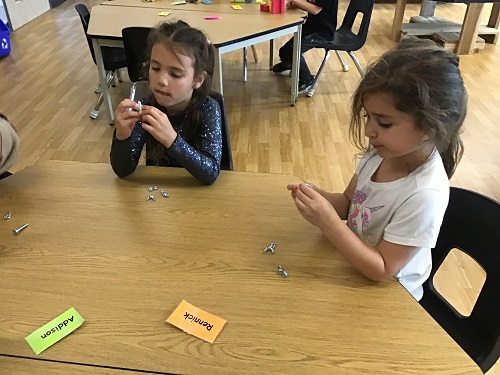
46	90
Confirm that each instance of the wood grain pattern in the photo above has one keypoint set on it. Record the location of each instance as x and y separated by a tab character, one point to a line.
23	366
95	244
46	89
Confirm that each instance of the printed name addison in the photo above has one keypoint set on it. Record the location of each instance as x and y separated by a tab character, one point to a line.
58	328
194	319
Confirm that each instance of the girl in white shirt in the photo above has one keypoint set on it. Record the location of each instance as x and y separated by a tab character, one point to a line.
410	105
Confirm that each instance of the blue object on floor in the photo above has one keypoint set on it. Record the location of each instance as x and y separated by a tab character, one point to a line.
4	39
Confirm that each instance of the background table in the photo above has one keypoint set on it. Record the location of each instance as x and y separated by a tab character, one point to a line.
469	30
218	6
94	243
232	32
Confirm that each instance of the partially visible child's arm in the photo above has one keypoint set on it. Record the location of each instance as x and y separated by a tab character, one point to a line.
304	5
377	264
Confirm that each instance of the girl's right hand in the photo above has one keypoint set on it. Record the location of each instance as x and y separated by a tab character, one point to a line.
125	118
294	187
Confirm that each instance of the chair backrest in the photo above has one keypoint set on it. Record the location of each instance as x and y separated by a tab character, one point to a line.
84	14
135	42
470	224
364	7
226	162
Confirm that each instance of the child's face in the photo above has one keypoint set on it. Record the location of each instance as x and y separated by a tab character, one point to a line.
172	79
391	132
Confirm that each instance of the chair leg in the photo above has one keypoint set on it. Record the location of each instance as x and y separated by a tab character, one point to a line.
110	77
245	64
255	55
271	54
345	67
356	62
118	73
310	93
95	112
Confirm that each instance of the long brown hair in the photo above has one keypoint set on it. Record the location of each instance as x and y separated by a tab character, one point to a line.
182	38
424	81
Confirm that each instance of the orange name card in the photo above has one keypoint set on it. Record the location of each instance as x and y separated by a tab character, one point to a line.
196	322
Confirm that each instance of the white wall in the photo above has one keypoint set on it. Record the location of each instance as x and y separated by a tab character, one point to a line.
3	15
23	11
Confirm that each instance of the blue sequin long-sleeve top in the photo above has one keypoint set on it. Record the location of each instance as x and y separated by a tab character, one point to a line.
202	162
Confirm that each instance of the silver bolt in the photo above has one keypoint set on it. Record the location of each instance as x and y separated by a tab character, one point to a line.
151	198
150	188
7	216
155	187
20	229
165	194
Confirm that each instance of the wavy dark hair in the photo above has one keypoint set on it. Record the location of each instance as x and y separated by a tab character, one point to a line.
181	38
424	81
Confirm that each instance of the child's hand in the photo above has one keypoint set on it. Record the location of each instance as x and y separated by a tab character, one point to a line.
312	205
295	187
156	123
125	119
290	4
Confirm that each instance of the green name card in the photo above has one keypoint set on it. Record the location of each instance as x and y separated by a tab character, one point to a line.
54	330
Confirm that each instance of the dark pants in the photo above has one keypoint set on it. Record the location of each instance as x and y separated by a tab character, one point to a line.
309	41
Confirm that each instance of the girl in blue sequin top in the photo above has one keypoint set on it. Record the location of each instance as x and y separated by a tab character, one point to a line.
179	123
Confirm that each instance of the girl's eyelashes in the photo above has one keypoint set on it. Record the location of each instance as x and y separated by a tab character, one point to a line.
380	123
384	124
176	74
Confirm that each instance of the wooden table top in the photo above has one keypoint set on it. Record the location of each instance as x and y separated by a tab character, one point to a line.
94	243
218	6
108	21
28	366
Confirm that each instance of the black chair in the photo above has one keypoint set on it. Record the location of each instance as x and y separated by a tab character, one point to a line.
471	225
226	162
113	58
345	39
135	44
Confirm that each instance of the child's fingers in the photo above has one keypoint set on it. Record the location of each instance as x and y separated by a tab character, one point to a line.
300	195
292	187
127	104
127	119
308	190
299	204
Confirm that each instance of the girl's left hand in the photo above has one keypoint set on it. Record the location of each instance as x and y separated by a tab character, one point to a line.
156	123
313	206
